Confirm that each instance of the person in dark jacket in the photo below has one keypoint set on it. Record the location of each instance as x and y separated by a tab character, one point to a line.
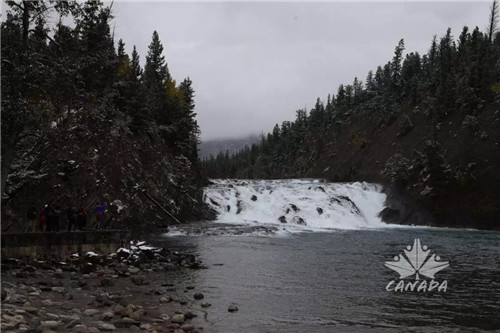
72	217
56	217
32	215
42	218
49	214
81	218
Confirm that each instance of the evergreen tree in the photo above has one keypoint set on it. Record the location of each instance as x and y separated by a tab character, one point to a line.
396	67
494	19
155	79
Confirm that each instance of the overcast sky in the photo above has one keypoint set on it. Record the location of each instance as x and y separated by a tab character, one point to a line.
255	64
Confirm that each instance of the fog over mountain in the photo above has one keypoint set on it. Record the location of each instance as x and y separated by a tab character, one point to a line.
213	147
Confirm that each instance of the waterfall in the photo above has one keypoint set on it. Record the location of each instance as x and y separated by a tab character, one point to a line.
307	204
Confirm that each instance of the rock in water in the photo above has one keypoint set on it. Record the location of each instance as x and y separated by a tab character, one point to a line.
198	296
299	220
253	198
282	219
232	308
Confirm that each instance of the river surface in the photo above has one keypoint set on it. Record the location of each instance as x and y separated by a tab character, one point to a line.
324	282
315	278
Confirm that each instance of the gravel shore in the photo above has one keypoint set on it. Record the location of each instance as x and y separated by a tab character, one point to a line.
139	288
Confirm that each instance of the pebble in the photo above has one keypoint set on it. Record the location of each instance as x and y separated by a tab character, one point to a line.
133	270
59	290
187	327
166	299
30	309
178	319
118	309
90	312
50	324
68	318
80	328
23	328
165	316
189	315
138	315
106	327
47	302
52	316
126	322
107	316
145	326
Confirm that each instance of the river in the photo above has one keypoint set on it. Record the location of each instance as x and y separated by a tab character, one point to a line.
313	277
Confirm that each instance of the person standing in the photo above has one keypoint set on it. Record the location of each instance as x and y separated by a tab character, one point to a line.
32	214
49	214
72	217
81	218
99	213
42	218
56	217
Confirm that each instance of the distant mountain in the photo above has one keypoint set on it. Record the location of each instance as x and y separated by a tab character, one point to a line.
213	147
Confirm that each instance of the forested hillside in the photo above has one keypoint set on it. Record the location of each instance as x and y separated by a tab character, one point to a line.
83	122
426	123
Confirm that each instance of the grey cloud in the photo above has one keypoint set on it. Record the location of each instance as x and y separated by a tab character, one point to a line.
255	64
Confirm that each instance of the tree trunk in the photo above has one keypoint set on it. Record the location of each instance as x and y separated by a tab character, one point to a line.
26	23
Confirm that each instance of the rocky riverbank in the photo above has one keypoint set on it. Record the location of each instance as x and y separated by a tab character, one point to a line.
137	288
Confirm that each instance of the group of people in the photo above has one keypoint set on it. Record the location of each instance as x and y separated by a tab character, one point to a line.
49	217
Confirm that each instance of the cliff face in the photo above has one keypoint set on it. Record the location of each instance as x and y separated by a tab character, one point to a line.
445	177
91	155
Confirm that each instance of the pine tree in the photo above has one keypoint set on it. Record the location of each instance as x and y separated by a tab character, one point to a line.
494	20
155	79
135	65
187	124
396	67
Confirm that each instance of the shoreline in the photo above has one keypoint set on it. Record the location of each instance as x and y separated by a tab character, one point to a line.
102	293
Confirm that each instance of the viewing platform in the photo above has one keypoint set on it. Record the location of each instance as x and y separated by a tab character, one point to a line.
63	244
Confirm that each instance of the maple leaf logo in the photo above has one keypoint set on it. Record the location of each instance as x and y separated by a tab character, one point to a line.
415	262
